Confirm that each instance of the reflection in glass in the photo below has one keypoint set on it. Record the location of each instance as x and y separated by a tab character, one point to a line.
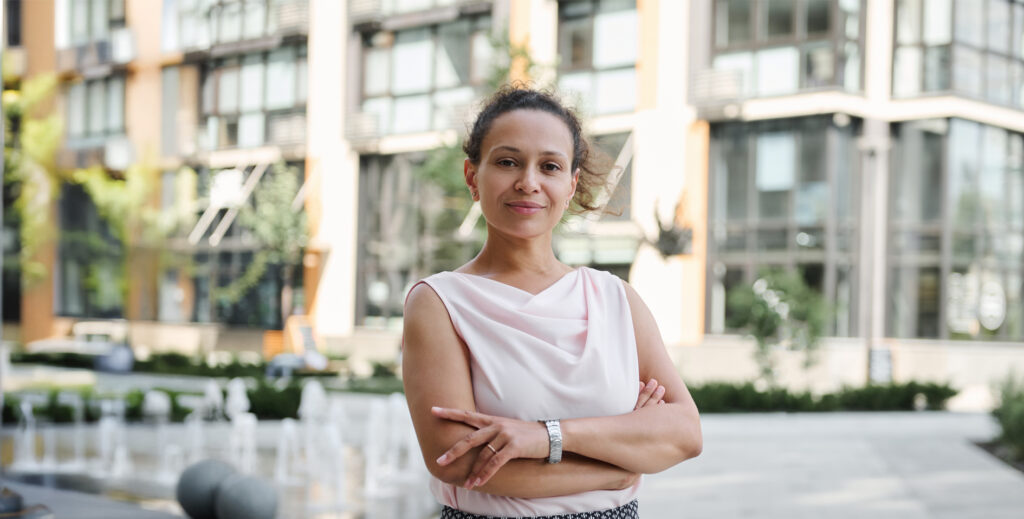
412	57
908	21
774	239
819	66
776	165
819	16
452	67
914	302
964	143
779	18
732	22
936	69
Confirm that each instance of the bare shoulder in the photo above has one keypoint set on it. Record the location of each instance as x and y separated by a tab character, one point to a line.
643	319
425	314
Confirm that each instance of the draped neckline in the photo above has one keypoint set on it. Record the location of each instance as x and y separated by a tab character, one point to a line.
513	287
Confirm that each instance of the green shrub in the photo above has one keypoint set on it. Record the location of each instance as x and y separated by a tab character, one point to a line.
274	402
1010	415
724	397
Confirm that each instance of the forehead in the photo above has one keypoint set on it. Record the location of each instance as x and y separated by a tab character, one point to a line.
529	130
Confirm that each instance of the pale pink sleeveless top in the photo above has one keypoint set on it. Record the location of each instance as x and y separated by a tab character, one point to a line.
566	352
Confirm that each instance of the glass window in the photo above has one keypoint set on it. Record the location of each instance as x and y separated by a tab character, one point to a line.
615	91
251	130
97	119
997	79
907	71
452	66
776	165
375	73
778	71
449	105
253	81
819	66
301	80
992	182
230	22
1018	32
812	195
914	304
967	70
964	160
732	197
938	22
79	22
851	67
970	23
280	80
255	20
169	26
115	105
76	109
917	190
575	42
743	64
999	19
168	111
616	36
99	22
819	17
415	114
733	22
380	112
936	69
227	90
779	18
483	56
411	62
908	22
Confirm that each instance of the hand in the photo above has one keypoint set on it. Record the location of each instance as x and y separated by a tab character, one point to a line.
651	393
503	439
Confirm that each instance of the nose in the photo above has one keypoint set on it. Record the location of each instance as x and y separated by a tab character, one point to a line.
528	180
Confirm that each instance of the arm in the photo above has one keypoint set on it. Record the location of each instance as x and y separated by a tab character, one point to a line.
436	373
649	439
652	438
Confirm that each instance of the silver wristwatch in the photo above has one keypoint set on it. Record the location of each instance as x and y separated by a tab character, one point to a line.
554	440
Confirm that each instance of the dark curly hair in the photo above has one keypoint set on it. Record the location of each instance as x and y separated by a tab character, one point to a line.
594	165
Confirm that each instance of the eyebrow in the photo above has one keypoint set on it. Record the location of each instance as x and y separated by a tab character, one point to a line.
517	150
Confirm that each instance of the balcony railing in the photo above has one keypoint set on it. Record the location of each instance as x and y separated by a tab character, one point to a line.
711	87
99	56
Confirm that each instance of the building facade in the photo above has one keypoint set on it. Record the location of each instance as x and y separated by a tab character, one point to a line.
873	146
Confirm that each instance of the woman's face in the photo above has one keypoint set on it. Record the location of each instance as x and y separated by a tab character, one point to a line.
524	180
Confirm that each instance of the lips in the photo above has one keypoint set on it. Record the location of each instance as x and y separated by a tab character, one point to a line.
524	206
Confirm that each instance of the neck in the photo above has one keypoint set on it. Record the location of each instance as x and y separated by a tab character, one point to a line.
502	253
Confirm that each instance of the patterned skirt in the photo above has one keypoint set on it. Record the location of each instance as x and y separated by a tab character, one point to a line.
626	511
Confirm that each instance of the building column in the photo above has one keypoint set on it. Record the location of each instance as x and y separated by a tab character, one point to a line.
667	173
332	176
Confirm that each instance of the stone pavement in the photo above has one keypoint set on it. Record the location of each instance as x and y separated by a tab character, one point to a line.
842	466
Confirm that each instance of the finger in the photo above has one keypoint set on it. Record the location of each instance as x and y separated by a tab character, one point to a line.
485	455
473	418
645	393
658	395
491	467
461	447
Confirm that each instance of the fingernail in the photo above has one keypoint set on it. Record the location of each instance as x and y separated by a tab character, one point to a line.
477	482
435	409
442	459
468	484
650	383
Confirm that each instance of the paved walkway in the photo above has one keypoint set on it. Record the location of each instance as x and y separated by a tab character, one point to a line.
839	465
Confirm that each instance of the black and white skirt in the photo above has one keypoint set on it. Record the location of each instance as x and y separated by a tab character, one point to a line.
626	511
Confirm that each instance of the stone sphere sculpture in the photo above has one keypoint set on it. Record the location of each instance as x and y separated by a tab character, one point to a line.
198	487
246	496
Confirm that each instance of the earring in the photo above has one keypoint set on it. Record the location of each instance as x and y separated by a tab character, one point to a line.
567	202
474	194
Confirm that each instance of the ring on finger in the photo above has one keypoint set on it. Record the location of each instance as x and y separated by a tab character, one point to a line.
492	448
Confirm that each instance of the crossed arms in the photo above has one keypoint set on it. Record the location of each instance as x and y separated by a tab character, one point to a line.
602	453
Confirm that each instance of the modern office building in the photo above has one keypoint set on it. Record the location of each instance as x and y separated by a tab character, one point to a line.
875	146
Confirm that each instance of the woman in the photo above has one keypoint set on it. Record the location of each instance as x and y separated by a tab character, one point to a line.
521	373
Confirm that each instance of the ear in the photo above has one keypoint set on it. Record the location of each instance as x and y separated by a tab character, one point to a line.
575	179
469	171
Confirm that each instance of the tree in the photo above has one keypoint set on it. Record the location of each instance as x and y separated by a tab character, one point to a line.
281	230
780	311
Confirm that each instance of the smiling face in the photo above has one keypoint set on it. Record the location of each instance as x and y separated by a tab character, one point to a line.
524	179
